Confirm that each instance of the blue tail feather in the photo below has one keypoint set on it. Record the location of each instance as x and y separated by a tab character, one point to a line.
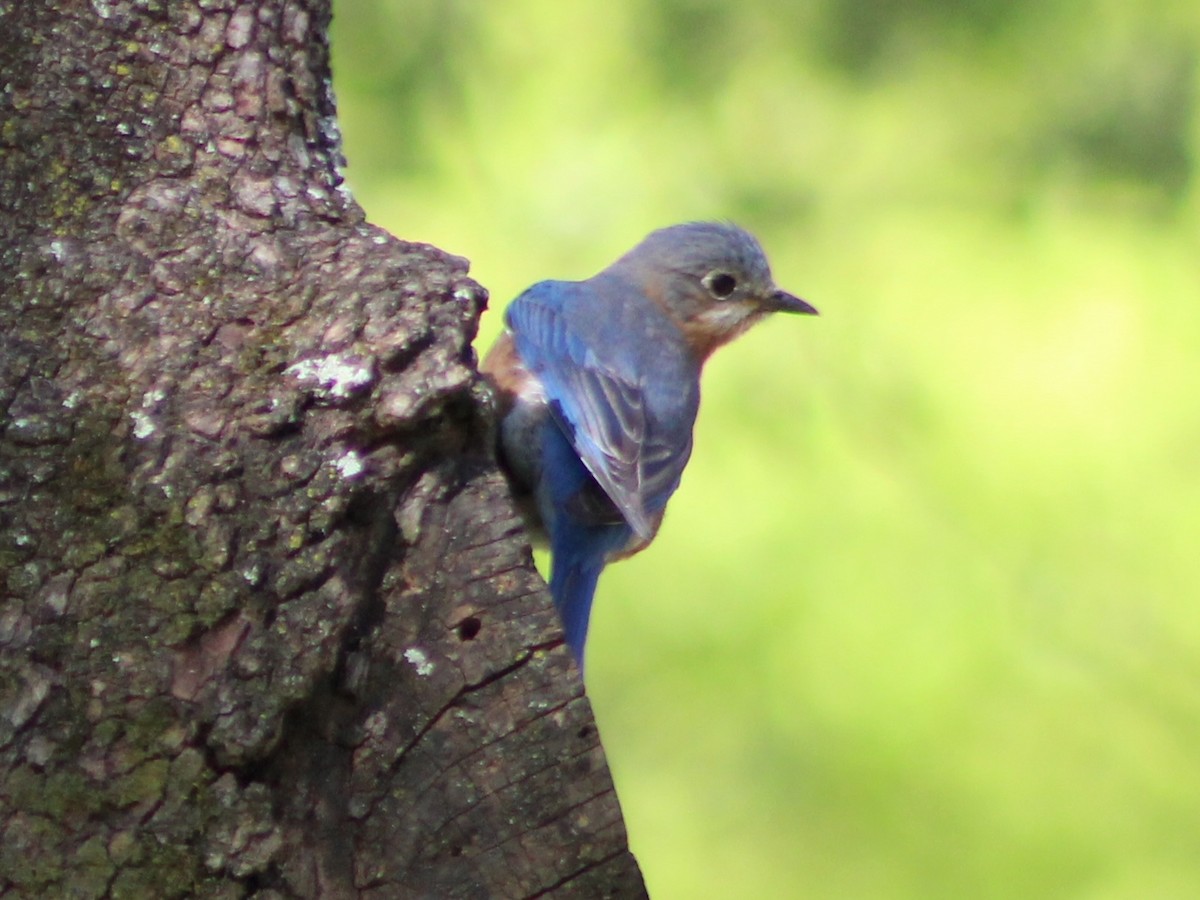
573	585
578	556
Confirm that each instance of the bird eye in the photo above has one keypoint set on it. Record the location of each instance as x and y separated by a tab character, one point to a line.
720	284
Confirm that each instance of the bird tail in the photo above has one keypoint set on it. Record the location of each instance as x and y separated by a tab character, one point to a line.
573	585
578	556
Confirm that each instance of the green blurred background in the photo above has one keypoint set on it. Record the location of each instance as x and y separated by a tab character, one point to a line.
922	620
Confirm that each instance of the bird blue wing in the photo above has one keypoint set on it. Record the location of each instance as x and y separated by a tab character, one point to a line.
634	446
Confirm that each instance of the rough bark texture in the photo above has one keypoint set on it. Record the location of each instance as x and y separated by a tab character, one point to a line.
269	625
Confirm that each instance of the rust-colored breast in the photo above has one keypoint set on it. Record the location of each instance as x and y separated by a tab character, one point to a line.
504	369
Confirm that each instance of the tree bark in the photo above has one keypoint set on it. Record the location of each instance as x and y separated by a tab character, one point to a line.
269	625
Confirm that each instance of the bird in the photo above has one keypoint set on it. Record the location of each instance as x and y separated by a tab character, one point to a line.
598	388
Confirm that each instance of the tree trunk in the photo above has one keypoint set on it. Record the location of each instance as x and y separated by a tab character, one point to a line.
269	624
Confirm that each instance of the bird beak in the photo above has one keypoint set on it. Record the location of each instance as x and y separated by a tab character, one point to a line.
782	301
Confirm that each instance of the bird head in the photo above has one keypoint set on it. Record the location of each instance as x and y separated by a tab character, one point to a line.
711	278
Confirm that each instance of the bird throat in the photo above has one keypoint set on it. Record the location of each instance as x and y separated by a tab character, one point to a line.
718	326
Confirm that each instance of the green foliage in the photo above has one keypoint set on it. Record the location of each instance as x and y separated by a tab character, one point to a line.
922	620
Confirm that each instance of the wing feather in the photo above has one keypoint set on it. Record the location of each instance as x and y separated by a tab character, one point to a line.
600	401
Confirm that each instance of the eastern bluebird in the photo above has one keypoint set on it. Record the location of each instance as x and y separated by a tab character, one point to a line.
599	385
